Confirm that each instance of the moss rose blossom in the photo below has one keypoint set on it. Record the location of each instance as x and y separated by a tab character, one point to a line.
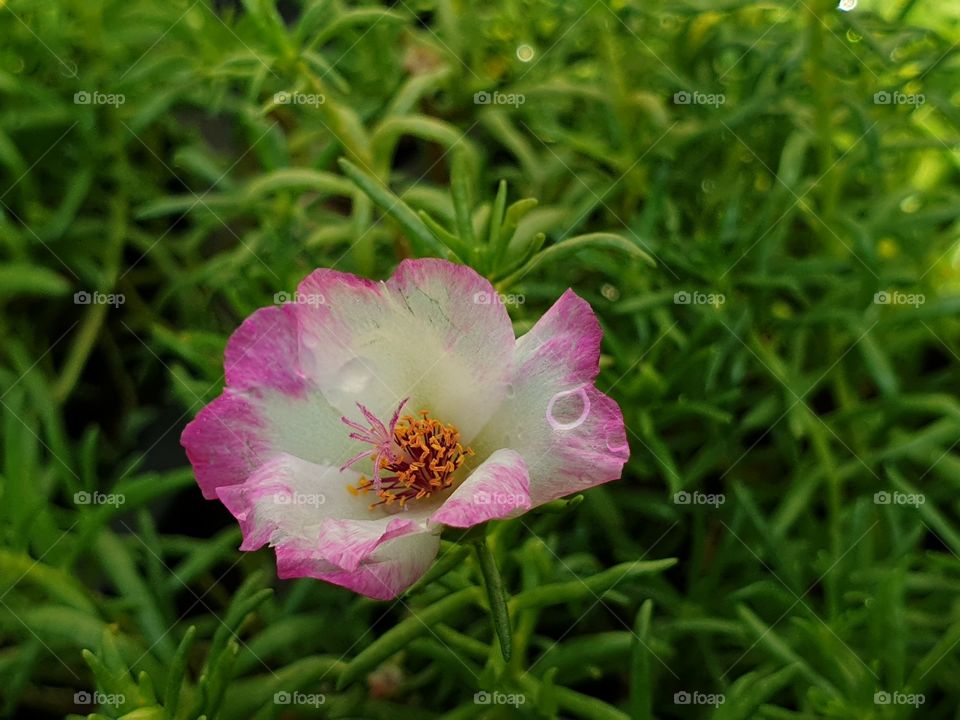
359	420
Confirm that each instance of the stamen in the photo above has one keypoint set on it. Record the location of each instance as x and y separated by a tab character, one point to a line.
422	453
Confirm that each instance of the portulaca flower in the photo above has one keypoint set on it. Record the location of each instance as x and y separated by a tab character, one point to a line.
362	417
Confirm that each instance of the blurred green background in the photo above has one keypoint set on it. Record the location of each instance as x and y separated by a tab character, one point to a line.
787	360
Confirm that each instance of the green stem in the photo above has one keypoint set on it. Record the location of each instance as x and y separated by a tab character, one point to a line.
497	596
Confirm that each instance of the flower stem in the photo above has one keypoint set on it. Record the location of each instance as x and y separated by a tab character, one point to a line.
497	596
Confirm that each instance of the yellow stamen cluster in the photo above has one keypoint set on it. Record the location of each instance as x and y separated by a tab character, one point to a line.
429	454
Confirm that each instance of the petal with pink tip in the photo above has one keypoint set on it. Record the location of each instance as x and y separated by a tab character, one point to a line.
346	543
499	488
392	568
321	530
225	442
268	407
571	435
288	498
264	352
435	332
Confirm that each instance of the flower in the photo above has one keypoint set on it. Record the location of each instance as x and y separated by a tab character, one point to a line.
362	417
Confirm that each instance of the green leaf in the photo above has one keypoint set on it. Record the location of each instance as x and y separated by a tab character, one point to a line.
397	637
566	248
18	279
592	587
416	230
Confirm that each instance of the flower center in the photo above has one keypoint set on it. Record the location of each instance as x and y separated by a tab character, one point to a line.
421	455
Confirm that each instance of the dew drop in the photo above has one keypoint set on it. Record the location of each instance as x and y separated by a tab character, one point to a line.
352	381
566	423
610	292
525	53
910	204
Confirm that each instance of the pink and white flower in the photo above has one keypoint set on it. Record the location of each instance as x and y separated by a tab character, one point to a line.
352	430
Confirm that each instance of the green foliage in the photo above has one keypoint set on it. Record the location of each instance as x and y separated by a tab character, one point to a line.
759	199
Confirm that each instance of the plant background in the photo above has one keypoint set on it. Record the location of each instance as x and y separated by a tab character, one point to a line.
796	399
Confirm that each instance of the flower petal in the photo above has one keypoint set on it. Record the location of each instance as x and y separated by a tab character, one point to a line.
321	530
571	435
225	442
268	407
434	332
264	352
498	488
388	571
348	542
288	497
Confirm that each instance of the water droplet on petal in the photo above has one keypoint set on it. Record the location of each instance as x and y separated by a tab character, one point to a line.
568	409
354	376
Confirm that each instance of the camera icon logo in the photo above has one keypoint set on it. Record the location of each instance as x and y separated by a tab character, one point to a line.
82	698
481	298
882	97
282	98
82	297
681	297
881	298
681	498
82	497
682	97
682	698
881	697
881	498
82	98
481	698
281	698
481	98
282	298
